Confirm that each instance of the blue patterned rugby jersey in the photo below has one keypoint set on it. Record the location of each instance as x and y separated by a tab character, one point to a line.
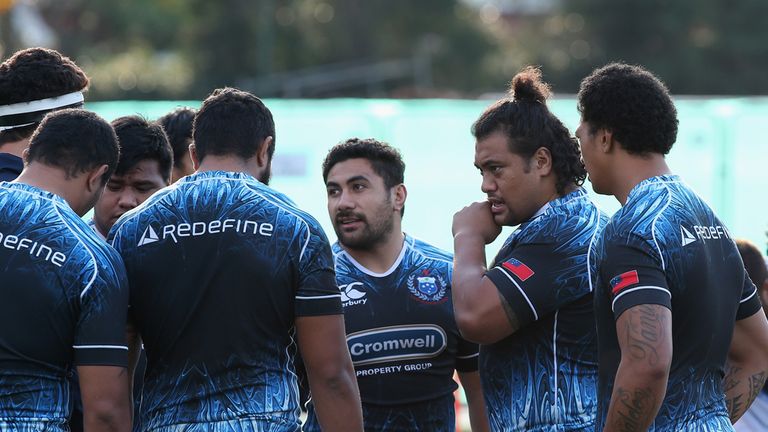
220	266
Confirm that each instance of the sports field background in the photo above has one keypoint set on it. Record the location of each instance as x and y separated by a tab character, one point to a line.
720	152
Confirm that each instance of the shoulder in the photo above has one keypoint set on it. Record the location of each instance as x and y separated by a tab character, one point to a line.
426	251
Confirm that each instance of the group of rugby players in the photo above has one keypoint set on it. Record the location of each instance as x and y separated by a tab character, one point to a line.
240	313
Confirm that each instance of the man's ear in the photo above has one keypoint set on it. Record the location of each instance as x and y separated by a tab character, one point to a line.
24	155
93	180
541	161
193	156
262	157
605	140
400	193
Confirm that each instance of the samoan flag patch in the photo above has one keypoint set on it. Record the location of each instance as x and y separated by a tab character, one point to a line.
624	280
522	271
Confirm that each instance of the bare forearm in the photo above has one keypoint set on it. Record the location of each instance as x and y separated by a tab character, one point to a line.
468	270
337	403
478	418
741	384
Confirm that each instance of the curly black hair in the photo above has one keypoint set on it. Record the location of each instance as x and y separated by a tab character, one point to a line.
33	74
524	118
633	104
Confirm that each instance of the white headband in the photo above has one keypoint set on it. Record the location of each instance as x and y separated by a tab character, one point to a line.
42	104
39	106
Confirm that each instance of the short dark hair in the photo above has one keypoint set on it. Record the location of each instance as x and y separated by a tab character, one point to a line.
385	160
178	127
232	122
141	140
633	104
34	74
754	262
524	118
75	141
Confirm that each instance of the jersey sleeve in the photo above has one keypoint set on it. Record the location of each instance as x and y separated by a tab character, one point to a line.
749	303
467	354
317	293
538	278
634	275
100	331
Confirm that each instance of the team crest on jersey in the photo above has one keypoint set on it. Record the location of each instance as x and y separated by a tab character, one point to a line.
427	287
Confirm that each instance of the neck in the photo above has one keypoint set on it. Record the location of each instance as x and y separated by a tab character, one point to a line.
55	181
632	169
15	148
381	257
231	164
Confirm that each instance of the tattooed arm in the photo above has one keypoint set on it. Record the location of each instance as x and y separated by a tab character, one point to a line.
747	365
645	339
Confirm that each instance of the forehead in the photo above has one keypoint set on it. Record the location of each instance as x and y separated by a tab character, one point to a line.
494	146
147	169
357	167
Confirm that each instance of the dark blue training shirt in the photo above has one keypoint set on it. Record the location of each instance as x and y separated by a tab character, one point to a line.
403	339
544	376
63	301
667	247
220	266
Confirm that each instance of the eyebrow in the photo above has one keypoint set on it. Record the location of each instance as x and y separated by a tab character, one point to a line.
349	180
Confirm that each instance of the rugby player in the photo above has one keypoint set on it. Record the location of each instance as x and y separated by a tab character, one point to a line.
64	295
228	278
396	293
675	309
532	309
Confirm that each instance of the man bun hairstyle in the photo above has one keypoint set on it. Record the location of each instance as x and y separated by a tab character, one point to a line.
524	118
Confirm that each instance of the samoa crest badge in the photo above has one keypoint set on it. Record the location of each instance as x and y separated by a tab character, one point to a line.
427	287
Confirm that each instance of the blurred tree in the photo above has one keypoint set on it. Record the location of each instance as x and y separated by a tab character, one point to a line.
696	46
133	46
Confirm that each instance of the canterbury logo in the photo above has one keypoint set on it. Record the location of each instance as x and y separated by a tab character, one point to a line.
149	236
688	238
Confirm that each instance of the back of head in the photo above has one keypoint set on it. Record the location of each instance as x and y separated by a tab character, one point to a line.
754	262
141	140
178	127
524	118
385	160
232	122
31	75
633	104
75	141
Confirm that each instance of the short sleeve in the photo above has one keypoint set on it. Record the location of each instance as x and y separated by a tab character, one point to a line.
467	354
317	293
100	331
749	303
538	278
633	275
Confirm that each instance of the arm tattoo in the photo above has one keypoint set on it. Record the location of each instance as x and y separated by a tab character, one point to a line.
756	383
514	322
730	380
633	407
734	405
645	329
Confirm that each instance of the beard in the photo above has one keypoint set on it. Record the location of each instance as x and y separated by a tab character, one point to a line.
371	235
